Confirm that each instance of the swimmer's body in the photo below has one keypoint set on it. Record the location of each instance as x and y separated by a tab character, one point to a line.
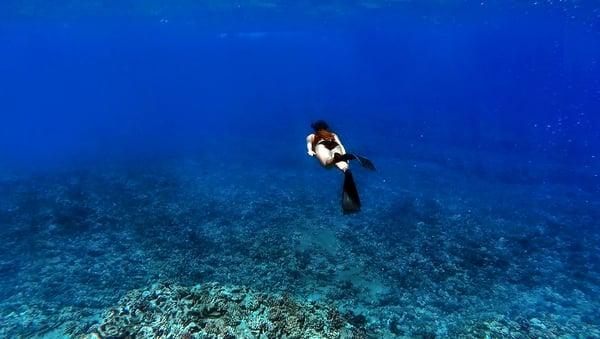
329	150
325	145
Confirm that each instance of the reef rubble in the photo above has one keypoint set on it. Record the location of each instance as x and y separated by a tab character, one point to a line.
212	310
442	258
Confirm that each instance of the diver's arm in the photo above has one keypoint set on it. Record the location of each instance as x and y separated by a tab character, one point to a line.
337	139
309	148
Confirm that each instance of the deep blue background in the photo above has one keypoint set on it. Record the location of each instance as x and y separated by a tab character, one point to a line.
520	80
141	143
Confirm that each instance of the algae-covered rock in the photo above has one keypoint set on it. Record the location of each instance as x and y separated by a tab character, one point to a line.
213	310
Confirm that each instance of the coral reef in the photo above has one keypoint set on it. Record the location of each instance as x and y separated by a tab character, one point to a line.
215	311
447	255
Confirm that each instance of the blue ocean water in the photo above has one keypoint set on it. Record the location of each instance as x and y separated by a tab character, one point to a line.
165	142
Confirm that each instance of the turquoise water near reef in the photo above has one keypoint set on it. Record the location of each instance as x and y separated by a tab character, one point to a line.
154	142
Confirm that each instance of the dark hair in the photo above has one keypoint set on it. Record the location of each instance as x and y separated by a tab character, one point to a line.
319	125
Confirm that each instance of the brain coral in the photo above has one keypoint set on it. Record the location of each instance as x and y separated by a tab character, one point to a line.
217	311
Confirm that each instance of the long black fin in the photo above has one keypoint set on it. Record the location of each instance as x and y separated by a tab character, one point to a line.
350	198
366	163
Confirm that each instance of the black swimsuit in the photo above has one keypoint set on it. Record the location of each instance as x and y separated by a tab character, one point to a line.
329	144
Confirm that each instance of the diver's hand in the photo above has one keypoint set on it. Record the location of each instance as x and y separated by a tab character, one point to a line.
311	153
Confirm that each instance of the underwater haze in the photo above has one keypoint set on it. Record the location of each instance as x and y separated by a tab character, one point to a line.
155	182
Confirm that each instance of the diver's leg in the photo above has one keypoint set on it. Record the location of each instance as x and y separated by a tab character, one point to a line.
342	165
339	159
343	157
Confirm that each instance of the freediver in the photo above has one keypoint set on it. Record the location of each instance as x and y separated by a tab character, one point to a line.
326	146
